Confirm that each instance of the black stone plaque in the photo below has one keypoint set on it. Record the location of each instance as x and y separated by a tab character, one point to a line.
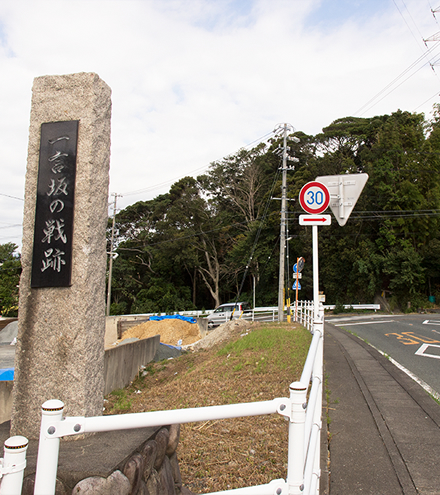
52	255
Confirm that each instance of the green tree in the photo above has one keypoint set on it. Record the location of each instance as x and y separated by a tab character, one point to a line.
10	269
192	246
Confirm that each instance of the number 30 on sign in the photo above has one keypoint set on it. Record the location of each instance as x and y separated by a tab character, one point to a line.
314	197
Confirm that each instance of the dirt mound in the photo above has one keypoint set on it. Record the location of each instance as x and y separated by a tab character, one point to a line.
222	333
171	331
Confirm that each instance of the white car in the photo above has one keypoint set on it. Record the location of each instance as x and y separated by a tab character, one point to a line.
225	312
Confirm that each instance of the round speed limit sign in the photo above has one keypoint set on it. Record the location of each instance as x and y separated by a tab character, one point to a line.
314	197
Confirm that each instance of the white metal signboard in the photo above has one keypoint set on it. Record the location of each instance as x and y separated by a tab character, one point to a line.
315	220
344	191
314	197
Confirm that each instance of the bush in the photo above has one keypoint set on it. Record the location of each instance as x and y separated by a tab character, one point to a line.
118	308
339	308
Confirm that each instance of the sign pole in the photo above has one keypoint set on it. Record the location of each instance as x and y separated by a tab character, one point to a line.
297	282
314	199
315	271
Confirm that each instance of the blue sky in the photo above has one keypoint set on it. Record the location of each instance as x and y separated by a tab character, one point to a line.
196	80
329	14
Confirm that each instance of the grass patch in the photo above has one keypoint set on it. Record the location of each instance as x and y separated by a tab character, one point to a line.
122	401
276	346
258	366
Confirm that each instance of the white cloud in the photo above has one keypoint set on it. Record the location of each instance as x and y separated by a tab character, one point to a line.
195	80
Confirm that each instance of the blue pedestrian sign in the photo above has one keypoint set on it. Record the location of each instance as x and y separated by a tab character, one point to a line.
294	286
299	265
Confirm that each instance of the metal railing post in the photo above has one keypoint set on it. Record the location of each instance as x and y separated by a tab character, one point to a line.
13	465
48	448
312	471
295	462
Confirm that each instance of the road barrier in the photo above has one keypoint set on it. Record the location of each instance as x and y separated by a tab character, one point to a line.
302	408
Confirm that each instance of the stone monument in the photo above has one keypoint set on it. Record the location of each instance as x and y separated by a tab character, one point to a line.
60	343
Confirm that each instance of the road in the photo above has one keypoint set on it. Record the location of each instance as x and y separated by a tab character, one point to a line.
413	341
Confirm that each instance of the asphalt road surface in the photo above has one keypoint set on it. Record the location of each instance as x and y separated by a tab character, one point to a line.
412	341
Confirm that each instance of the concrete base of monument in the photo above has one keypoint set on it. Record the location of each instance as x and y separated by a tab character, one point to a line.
137	461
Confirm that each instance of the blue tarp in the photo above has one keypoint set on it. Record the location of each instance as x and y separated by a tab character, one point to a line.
189	319
179	348
7	374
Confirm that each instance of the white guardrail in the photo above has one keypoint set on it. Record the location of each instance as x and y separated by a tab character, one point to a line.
302	408
267	313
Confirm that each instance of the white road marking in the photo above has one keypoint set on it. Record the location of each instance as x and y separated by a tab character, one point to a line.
352	318
421	351
418	380
431	322
365	323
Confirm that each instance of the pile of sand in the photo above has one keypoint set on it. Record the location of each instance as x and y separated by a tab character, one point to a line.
171	331
222	333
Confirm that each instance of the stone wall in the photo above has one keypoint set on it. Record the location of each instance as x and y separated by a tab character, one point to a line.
153	469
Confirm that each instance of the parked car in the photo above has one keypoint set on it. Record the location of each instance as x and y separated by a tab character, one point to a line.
224	312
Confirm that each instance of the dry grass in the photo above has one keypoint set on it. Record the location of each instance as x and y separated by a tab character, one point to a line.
256	364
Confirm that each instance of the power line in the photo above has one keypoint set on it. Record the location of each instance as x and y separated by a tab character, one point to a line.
374	100
389	87
437	93
412	215
356	215
13	197
400	12
378	214
200	169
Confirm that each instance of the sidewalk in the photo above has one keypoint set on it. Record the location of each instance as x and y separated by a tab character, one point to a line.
384	429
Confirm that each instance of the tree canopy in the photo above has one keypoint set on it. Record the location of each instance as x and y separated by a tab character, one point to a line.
10	269
191	247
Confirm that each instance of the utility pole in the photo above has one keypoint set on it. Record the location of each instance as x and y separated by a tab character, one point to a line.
286	128
110	264
282	229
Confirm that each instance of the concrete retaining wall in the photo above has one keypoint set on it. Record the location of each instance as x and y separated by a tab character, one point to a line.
5	401
122	363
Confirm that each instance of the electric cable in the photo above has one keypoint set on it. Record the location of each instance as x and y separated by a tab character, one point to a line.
437	93
206	167
408	26
425	54
257	237
13	197
373	101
